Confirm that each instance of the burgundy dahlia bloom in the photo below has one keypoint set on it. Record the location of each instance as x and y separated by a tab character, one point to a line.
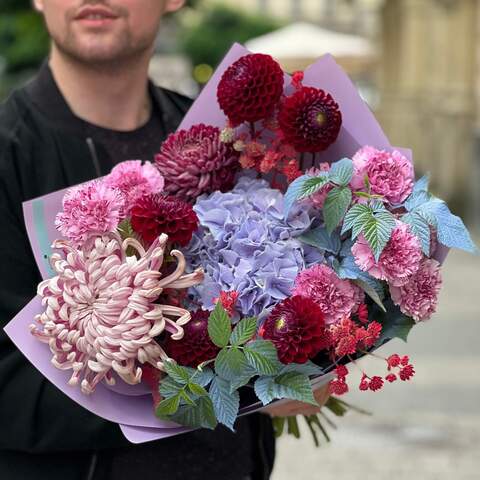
296	326
310	120
250	88
155	214
195	347
196	161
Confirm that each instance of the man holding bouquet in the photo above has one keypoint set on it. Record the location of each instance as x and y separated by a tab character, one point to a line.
90	107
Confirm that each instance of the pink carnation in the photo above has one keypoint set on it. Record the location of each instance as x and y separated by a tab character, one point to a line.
337	298
418	298
399	260
389	174
90	208
135	180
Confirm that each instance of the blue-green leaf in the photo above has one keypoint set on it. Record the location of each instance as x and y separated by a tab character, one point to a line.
225	403
169	387
341	172
243	379
291	385
199	415
263	387
262	356
197	389
370	291
303	187
219	326
420	228
307	368
336	204
320	238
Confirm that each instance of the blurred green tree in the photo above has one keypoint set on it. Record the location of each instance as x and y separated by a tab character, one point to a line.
206	35
23	38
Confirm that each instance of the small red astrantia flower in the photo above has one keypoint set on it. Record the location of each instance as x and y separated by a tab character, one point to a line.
310	120
250	88
156	214
296	326
195	347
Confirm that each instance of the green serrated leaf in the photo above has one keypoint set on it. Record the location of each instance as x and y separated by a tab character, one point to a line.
241	380
355	213
377	231
219	326
178	373
307	368
243	331
225	402
262	356
168	406
295	386
199	415
396	326
341	172
169	387
230	363
336	204
186	398
312	185
197	389
370	291
263	387
203	376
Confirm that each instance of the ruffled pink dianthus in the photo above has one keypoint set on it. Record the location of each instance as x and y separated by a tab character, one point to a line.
418	298
337	298
390	173
90	208
399	260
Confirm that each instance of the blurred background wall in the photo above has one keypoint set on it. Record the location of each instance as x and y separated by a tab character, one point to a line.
417	64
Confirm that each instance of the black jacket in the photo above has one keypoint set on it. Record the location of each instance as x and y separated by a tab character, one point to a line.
44	434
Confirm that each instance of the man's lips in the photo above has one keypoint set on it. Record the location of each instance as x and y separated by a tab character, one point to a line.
96	14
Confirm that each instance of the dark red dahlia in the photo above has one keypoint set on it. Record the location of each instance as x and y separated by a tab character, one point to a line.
296	326
310	120
196	161
155	214
195	347
250	88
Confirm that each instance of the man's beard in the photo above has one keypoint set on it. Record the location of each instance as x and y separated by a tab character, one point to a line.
118	51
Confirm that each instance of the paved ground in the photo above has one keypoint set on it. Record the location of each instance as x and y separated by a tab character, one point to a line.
428	429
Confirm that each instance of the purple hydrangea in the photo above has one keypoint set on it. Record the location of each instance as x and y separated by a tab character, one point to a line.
244	244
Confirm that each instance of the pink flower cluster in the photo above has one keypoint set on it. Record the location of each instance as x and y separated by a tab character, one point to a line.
389	174
337	298
99	206
418	297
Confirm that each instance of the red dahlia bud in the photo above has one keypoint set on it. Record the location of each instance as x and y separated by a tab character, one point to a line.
310	120
250	88
155	214
296	326
195	347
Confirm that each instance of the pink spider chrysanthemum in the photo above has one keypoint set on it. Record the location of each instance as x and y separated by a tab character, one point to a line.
101	317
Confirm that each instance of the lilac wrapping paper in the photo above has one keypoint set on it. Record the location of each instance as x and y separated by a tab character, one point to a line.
131	406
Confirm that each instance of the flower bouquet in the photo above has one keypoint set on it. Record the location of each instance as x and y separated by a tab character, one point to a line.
275	239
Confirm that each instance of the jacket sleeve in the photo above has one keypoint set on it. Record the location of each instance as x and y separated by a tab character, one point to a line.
34	415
